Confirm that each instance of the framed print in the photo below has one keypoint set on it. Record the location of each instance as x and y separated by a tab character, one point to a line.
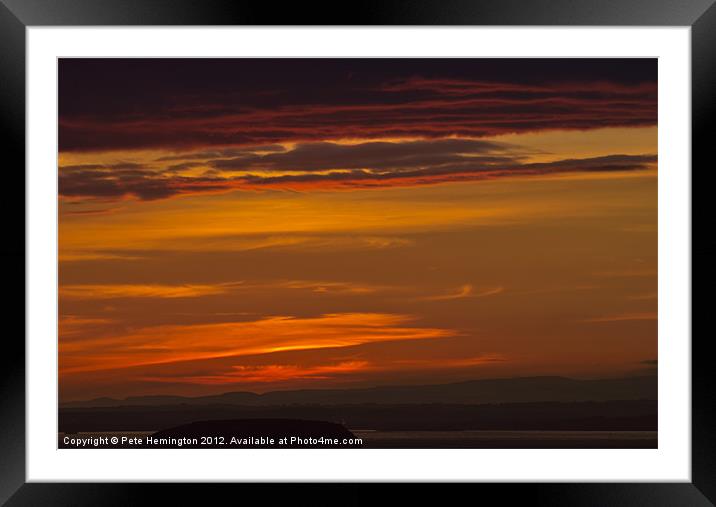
440	244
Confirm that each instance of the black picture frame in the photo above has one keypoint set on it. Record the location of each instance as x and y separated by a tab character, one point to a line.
17	15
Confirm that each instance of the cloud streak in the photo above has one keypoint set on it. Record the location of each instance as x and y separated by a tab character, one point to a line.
278	373
179	291
465	291
269	373
326	165
177	343
99	291
624	317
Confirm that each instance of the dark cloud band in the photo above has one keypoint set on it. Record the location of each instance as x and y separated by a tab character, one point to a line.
326	165
190	105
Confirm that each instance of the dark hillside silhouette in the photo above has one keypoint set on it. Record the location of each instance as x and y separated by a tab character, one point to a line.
609	416
507	390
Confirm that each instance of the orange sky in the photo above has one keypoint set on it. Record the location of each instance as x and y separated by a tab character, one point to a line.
427	260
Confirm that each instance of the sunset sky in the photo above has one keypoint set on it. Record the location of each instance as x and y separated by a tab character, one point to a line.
262	224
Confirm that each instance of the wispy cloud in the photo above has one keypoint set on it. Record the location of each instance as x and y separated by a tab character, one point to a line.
278	373
465	291
74	256
77	325
628	273
330	287
624	317
175	291
270	373
176	343
99	291
455	362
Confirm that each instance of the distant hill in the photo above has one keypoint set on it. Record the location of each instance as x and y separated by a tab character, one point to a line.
473	392
625	415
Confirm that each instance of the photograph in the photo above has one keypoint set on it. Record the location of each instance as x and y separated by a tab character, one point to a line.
357	253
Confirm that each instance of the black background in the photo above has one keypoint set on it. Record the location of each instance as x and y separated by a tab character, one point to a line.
15	15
